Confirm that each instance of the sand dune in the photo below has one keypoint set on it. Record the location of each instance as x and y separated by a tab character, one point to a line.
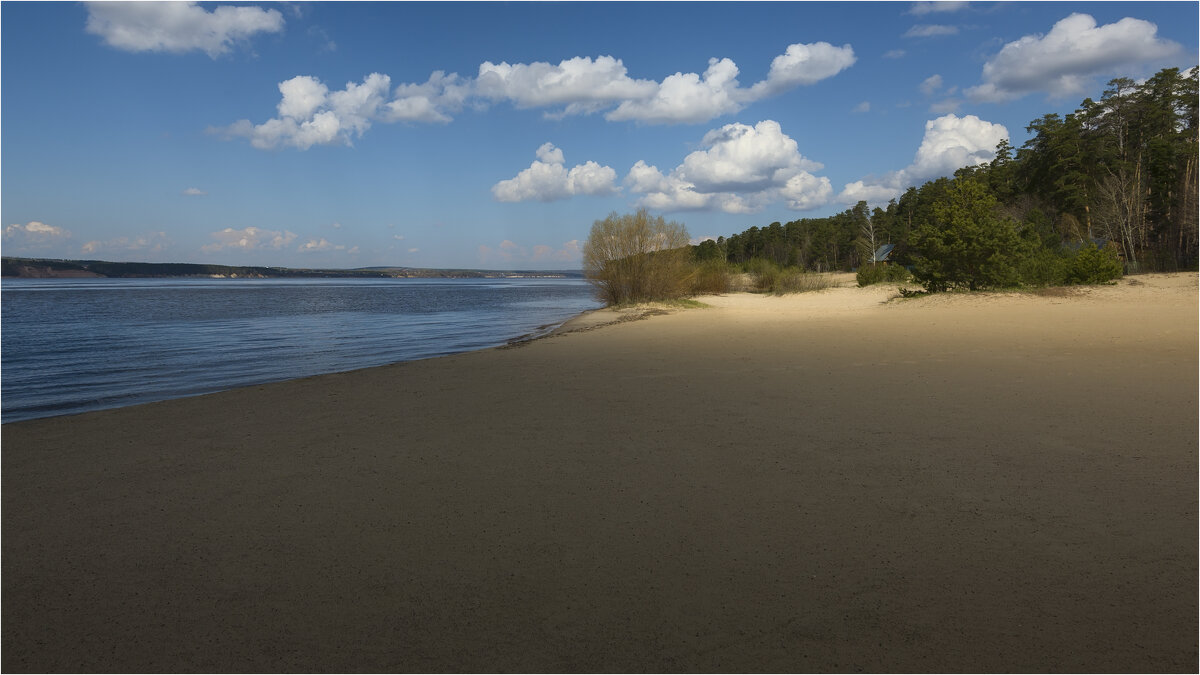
821	482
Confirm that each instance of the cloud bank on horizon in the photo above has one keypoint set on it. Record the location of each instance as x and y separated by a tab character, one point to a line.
742	142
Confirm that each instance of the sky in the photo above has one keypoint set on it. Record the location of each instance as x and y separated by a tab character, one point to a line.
493	135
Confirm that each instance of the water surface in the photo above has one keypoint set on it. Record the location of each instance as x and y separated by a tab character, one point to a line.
72	345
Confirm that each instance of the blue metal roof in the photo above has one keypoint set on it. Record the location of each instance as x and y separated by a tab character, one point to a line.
884	251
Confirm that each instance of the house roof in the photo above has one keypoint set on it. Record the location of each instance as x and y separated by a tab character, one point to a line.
882	254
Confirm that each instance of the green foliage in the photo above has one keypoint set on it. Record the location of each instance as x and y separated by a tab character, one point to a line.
710	277
1093	265
778	280
1043	267
637	258
1123	169
966	244
707	250
881	273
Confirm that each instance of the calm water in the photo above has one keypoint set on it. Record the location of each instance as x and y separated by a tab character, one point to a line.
72	345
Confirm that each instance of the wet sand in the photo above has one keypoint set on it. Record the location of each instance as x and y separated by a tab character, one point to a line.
821	482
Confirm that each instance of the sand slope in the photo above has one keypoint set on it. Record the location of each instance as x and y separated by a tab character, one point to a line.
818	482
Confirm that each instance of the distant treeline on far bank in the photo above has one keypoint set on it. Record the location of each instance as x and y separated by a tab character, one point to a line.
38	268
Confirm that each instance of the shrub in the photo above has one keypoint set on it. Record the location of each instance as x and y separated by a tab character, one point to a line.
796	280
1043	267
967	244
768	277
711	276
1093	265
637	258
877	274
763	273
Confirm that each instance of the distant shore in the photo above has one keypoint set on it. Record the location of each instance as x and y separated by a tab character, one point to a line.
44	268
830	481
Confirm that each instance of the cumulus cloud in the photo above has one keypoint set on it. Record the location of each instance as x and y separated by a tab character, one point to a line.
921	31
178	26
153	242
547	179
34	234
742	169
950	143
249	239
581	84
920	8
194	192
309	114
687	97
862	107
804	64
1062	62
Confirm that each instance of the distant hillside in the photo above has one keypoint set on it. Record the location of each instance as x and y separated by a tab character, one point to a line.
39	268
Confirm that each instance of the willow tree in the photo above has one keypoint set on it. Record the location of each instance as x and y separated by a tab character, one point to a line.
636	258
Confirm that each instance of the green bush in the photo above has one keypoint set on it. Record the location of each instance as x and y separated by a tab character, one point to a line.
637	257
796	280
967	244
1043	267
878	274
712	276
1093	265
768	277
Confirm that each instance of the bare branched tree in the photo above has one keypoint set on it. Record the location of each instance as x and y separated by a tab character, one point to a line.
637	257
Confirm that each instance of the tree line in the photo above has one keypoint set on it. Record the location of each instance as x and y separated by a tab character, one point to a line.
1119	175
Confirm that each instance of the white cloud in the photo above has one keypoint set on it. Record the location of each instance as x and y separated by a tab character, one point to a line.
315	245
744	158
430	102
309	114
178	26
920	31
863	107
547	179
1062	62
34	233
804	64
194	192
153	242
249	239
950	143
805	191
581	83
931	84
894	54
742	169
686	97
920	8
873	193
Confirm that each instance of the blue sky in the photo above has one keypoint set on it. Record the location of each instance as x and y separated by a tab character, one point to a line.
492	135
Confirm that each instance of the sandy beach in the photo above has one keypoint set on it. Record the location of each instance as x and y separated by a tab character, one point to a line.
832	481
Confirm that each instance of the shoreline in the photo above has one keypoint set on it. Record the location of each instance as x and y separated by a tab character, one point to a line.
821	482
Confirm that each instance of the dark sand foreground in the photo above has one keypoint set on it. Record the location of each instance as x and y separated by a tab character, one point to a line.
820	482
